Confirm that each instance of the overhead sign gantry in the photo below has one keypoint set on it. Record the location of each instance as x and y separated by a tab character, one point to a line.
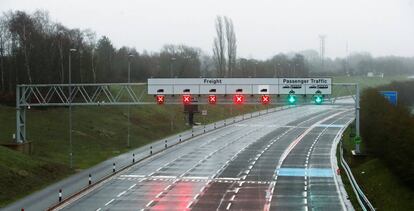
208	90
169	91
231	86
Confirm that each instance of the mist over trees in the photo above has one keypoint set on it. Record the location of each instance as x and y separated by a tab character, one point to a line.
34	49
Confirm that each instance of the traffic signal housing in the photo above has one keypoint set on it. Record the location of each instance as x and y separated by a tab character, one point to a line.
318	97
238	99
265	99
291	98
160	99
212	99
186	99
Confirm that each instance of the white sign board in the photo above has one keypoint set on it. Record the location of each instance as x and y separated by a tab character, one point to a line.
248	86
305	85
204	112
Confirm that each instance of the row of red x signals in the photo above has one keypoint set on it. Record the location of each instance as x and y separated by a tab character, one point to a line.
212	99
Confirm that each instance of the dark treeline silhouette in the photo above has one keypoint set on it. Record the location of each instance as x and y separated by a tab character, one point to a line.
388	130
34	49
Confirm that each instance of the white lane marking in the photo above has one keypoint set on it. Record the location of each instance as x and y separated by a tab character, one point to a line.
132	175
168	187
232	198
99	209
227	178
164	177
228	206
158	195
189	204
199	178
120	194
149	203
110	201
196	196
132	186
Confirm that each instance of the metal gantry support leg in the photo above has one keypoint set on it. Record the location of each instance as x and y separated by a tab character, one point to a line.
357	144
20	117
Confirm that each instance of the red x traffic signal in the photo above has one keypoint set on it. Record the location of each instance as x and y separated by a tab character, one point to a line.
160	99
186	99
238	99
265	99
212	99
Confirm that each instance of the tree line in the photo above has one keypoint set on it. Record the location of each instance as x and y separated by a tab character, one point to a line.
358	64
388	130
34	49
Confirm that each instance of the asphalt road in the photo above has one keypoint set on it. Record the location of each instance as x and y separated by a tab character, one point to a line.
278	161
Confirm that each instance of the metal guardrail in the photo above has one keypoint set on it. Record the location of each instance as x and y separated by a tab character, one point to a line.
362	199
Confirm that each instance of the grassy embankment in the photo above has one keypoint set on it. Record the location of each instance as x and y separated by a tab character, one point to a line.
380	182
380	185
98	134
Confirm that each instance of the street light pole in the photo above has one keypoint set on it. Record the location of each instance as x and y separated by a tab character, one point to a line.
171	63
294	69
128	108
255	69
70	108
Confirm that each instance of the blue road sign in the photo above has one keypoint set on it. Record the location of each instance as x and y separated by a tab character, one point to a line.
391	96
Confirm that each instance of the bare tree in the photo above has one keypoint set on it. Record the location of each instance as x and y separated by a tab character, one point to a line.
2	40
219	47
231	46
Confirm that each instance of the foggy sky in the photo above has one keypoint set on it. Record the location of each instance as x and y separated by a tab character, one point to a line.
263	27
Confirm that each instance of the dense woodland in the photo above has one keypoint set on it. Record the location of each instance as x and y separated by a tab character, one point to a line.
388	131
33	49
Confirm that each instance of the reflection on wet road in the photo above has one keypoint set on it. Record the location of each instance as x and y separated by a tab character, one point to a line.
279	161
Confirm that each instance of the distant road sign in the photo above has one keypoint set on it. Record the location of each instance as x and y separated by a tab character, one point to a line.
391	96
204	112
245	86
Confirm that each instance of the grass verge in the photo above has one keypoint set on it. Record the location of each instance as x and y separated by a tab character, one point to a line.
380	185
99	133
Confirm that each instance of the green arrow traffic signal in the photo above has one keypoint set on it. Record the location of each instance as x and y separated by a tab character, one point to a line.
292	99
318	99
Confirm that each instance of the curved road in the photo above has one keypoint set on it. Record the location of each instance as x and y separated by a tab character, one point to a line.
278	161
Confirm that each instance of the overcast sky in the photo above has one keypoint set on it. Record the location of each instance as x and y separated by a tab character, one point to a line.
263	27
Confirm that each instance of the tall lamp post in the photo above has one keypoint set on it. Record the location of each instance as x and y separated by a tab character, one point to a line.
70	107
171	69
255	69
294	69
128	108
